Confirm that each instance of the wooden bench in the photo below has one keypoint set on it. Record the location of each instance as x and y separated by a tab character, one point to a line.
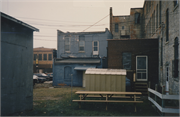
107	95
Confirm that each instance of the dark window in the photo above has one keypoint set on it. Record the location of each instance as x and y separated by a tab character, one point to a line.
95	46
157	16
67	73
116	27
159	12
81	43
35	55
167	25
50	57
175	2
153	25
161	51
67	44
176	60
123	27
45	57
40	57
126	60
137	18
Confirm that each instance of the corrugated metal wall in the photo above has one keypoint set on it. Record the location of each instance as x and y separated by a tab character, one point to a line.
105	82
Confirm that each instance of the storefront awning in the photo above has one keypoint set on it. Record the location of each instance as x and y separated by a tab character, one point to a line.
83	68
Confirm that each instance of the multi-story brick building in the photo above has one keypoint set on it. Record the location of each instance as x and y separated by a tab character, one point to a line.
43	59
156	19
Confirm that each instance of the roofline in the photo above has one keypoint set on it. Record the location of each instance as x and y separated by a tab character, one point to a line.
18	21
131	39
138	8
106	29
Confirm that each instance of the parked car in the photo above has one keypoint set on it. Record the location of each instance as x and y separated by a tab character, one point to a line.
37	79
50	75
43	75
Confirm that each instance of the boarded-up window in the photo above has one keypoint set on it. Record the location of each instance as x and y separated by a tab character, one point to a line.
137	18
67	73
126	60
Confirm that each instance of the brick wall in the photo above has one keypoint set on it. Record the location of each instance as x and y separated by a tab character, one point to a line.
136	47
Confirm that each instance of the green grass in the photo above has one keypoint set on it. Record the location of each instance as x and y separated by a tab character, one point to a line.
57	102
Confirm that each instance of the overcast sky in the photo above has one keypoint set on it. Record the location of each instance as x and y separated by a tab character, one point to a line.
65	15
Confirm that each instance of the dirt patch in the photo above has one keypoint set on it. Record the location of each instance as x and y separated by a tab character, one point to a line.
47	98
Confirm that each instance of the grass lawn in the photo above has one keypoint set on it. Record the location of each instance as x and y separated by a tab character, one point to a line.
57	102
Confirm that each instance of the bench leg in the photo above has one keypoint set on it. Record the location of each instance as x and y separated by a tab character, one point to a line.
106	106
79	104
134	107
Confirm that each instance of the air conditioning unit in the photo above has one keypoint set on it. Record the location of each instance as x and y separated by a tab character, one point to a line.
95	52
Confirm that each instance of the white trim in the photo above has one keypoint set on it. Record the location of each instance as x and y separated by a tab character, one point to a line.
95	52
163	110
143	69
171	97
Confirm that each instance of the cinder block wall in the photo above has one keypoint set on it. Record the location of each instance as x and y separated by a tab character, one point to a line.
16	68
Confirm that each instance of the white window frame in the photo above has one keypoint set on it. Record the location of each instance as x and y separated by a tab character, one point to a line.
82	46
66	44
94	46
142	69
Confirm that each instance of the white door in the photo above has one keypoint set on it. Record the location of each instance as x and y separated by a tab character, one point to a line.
84	83
141	68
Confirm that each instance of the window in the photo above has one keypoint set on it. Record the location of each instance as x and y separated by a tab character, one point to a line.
161	51
160	12
116	27
176	58
45	57
40	57
123	27
175	2
67	44
67	73
50	57
81	43
141	68
157	16
126	60
35	55
167	73
167	25
95	46
153	22
137	18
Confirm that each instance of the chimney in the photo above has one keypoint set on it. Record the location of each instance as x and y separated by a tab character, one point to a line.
111	19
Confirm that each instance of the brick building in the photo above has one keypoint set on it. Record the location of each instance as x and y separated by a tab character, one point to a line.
156	19
42	60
